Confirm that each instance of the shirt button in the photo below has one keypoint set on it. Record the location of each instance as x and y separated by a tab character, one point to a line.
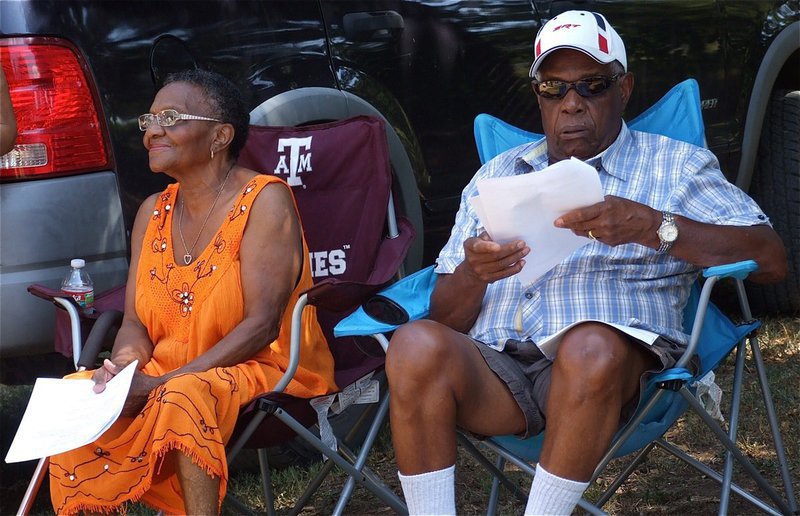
528	295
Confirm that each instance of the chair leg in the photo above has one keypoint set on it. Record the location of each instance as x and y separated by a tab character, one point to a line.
494	494
386	496
780	451
266	481
623	476
733	425
737	454
486	463
363	454
33	486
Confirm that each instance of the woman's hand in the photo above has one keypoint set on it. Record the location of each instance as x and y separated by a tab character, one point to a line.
141	387
105	373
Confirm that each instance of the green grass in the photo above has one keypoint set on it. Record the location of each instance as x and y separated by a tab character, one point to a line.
661	485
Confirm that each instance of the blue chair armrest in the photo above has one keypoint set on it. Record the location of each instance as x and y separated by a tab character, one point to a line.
738	270
412	293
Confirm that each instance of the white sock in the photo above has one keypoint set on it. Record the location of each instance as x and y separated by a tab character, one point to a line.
431	493
553	495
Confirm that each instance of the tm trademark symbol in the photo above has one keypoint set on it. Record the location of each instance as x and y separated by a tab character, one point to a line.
346	246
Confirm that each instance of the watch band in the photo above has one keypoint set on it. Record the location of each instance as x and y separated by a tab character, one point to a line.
666	219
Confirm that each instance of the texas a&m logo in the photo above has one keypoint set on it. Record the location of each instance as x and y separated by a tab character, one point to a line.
297	152
328	263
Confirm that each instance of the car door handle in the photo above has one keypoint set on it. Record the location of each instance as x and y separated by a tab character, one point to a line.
372	25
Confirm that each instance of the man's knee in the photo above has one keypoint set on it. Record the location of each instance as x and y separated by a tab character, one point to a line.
594	352
416	349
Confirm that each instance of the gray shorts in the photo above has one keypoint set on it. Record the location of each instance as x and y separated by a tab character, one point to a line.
526	372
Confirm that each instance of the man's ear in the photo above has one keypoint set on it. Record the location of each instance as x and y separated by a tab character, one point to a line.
626	88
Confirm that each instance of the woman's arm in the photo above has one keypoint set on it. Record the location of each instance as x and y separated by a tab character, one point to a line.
132	341
8	123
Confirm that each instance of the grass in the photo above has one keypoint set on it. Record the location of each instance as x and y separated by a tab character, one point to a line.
660	485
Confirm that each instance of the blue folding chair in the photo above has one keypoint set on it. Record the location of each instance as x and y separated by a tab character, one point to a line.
668	394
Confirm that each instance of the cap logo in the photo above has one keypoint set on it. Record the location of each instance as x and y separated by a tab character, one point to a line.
566	26
602	39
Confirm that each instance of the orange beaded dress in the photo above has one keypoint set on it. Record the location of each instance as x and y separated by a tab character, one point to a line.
187	310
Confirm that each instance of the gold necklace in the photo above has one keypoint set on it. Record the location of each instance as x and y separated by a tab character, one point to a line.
187	258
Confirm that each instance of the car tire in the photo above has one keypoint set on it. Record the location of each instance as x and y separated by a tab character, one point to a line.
776	187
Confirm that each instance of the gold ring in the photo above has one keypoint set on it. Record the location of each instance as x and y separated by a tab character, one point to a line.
591	235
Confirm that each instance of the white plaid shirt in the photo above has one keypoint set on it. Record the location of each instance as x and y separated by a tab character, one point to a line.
630	284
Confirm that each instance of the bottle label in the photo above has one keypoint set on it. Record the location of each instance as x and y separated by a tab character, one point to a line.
84	299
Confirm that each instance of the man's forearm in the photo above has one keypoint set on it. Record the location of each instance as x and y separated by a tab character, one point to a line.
457	299
706	245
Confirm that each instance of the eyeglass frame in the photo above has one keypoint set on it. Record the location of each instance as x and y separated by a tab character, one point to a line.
574	85
145	120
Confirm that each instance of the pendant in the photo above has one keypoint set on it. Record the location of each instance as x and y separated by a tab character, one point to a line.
187	258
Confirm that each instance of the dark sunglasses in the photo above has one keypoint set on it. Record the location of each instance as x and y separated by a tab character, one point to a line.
589	87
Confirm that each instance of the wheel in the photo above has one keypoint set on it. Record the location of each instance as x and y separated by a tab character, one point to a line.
776	187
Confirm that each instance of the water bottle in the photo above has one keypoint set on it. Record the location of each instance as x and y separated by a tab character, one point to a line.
78	285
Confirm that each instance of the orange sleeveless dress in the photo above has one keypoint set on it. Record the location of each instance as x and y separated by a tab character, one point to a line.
187	310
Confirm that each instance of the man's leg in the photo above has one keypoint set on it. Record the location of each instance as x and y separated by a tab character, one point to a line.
595	373
439	380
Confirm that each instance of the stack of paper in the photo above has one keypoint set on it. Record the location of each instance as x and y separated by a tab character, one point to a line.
524	207
65	414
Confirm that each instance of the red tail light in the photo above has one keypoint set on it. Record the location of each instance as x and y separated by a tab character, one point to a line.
59	131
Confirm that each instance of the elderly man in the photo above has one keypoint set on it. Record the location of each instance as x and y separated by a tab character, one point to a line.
668	211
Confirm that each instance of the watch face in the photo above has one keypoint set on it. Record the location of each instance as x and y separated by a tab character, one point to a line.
668	232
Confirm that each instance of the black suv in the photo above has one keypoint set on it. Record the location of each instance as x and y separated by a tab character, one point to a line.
82	71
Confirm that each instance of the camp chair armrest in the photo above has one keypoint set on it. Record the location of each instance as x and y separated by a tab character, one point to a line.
411	294
738	270
294	344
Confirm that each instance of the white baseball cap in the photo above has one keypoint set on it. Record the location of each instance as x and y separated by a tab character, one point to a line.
579	30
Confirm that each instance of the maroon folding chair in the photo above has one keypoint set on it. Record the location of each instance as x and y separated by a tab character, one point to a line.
342	179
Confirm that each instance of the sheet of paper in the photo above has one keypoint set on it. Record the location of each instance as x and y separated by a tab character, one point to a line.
65	414
549	346
526	206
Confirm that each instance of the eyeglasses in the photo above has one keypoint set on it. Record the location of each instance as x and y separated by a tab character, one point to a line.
589	87
168	118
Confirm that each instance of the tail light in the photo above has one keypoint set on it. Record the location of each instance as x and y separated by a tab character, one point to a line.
59	130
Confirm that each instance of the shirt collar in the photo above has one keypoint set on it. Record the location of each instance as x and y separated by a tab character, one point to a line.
608	159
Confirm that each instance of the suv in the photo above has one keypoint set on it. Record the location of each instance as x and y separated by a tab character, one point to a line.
82	71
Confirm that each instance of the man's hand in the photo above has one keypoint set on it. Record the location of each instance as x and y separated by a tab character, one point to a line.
614	221
487	261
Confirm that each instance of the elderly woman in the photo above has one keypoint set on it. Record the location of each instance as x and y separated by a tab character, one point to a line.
216	259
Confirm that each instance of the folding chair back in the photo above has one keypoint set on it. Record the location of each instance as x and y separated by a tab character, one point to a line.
341	178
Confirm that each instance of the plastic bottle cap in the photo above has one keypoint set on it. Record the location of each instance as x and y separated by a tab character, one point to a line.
77	263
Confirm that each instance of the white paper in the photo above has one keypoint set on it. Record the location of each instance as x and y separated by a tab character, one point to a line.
525	207
549	346
66	414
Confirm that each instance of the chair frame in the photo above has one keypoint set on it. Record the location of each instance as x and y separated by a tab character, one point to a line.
680	383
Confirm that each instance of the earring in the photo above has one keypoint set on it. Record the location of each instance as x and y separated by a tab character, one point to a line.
212	154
